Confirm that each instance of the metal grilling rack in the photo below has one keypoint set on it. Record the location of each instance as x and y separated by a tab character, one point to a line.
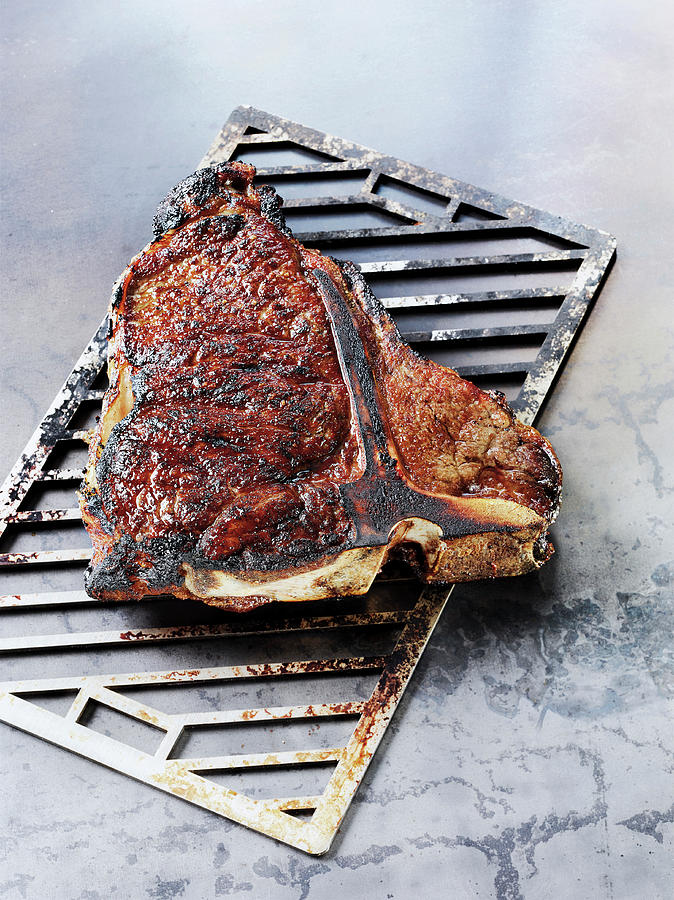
215	708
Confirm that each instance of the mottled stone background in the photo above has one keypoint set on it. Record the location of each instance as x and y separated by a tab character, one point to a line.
532	755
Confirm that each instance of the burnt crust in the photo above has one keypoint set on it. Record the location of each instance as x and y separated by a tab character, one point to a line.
194	192
270	207
108	577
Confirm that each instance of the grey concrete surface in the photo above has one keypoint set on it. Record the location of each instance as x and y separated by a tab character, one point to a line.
532	756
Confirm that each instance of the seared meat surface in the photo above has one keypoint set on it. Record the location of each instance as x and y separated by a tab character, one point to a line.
231	462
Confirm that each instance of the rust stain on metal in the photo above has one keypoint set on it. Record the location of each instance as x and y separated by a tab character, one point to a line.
19	557
181	674
147	717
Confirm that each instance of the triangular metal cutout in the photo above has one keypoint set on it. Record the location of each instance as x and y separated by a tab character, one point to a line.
45	580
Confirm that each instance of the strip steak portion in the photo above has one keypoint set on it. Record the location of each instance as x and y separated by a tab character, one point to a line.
240	460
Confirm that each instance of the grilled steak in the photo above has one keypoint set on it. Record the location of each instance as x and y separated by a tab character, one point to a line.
268	435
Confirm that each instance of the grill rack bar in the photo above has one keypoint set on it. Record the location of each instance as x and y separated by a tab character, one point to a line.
220	673
194	632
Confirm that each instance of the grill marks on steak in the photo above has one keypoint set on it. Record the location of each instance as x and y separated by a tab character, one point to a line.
228	426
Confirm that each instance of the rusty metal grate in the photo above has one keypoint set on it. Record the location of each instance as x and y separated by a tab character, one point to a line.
215	707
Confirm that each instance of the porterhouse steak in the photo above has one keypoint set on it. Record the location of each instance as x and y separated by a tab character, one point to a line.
268	435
